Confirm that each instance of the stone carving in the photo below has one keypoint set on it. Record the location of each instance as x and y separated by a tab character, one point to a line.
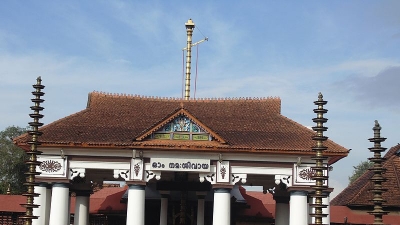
283	180
307	174
239	177
269	190
124	174
153	174
209	176
50	166
223	172
136	168
75	172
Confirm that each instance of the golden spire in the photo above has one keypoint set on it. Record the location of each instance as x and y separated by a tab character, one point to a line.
189	30
9	189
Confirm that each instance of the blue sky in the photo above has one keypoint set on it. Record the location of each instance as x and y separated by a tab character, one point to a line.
348	50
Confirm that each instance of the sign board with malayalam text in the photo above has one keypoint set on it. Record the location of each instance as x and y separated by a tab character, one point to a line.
182	165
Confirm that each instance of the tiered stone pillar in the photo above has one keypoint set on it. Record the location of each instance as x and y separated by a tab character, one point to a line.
281	210
222	206
164	208
200	207
298	208
136	203
59	212
82	203
43	200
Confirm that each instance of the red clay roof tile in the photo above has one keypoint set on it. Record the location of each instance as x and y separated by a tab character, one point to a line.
245	124
359	194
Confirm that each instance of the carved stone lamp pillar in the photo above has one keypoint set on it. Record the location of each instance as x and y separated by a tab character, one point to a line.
377	179
33	152
319	168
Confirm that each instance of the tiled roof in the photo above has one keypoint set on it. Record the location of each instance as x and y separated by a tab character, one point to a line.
358	193
12	203
106	200
341	213
260	204
244	124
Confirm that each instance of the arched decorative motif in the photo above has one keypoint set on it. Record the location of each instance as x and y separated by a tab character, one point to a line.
181	128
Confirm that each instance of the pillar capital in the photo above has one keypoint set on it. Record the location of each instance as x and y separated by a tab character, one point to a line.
164	194
222	186
44	184
136	187
83	192
282	199
298	193
61	184
137	183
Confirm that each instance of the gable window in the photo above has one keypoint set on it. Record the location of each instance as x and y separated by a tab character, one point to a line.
181	128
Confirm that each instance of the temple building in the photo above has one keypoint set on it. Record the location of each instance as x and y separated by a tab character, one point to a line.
184	151
183	159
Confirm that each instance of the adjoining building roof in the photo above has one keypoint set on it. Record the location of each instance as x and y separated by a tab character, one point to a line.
12	203
358	193
240	124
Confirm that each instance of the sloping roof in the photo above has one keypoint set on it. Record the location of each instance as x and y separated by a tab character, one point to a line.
106	200
12	203
260	204
358	194
341	213
116	121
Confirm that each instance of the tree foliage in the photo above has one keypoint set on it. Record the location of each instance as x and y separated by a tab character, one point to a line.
12	161
359	170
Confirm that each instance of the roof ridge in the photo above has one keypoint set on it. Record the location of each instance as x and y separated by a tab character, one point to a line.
205	99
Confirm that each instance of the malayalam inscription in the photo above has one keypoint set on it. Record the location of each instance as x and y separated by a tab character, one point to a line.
174	164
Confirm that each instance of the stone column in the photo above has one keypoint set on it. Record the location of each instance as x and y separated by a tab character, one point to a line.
298	208
325	201
281	210
48	204
135	209
164	208
222	206
43	200
200	207
82	203
59	212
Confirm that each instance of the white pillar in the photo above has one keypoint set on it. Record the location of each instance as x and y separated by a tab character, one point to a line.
325	201
298	208
59	212
281	210
164	209
48	204
82	202
42	201
200	209
310	210
222	206
135	208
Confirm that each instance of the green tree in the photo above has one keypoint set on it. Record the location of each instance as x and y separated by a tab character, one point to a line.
359	170
12	161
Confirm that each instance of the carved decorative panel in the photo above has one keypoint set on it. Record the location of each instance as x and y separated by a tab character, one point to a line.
303	175
223	172
137	169
52	166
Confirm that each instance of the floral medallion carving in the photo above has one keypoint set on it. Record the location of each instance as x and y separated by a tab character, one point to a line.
50	166
307	174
